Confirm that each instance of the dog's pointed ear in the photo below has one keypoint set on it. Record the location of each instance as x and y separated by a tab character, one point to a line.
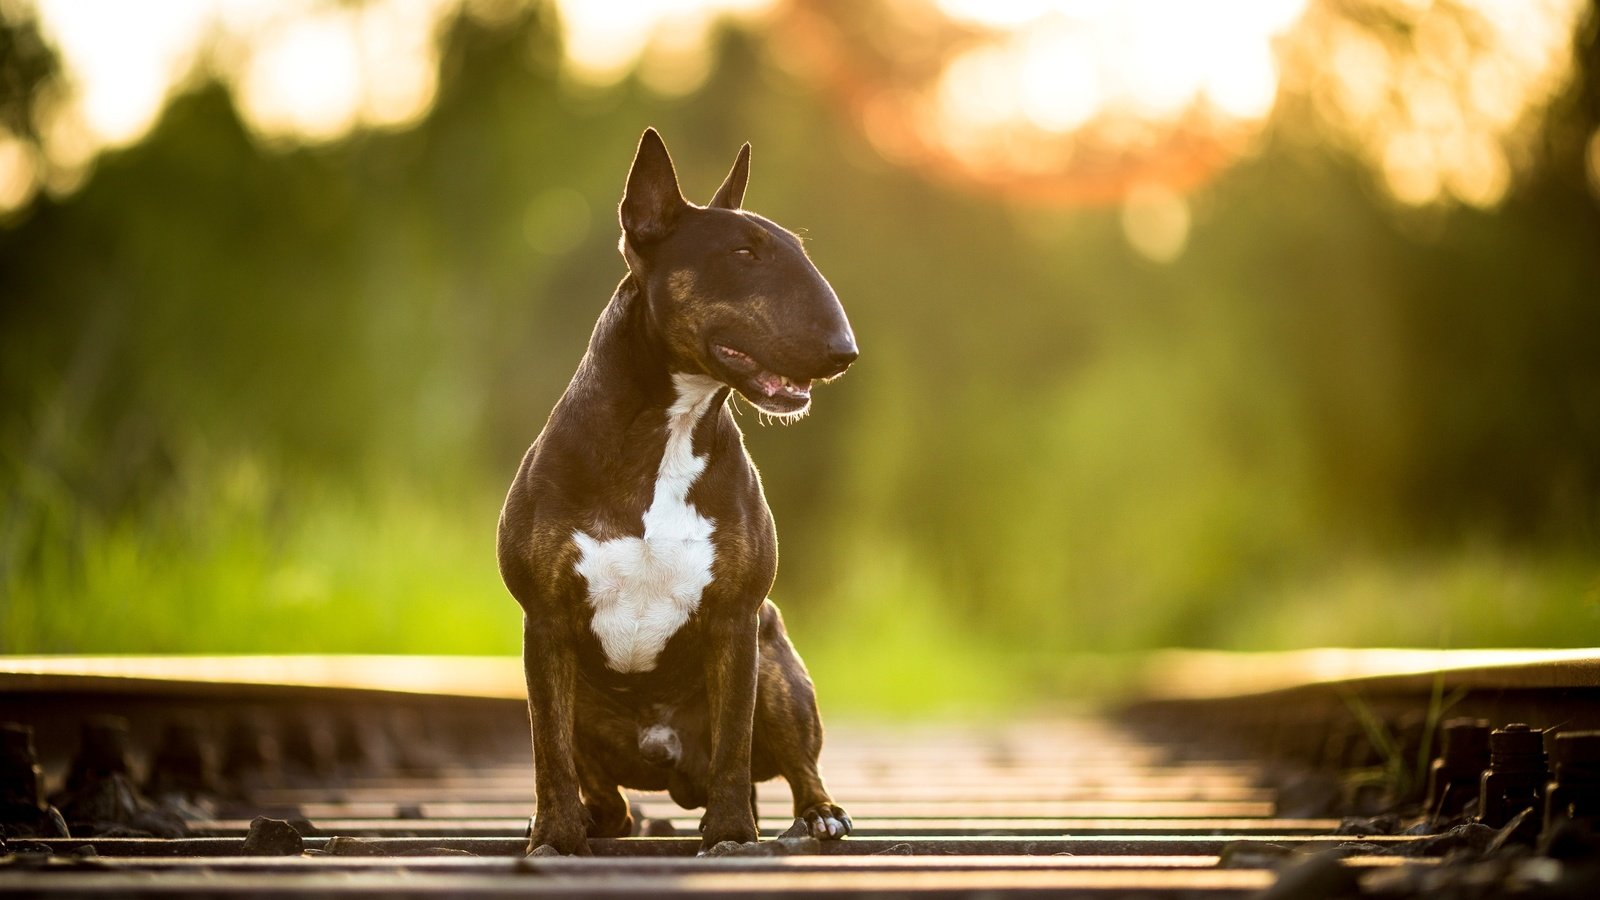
731	194
652	201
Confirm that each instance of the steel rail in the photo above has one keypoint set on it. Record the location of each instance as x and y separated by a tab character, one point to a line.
401	776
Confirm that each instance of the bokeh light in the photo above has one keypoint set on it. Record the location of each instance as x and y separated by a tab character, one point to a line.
668	40
316	73
1068	101
1061	101
123	59
1441	98
1592	160
1049	101
17	178
305	71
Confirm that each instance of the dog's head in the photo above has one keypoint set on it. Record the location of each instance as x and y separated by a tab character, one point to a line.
732	294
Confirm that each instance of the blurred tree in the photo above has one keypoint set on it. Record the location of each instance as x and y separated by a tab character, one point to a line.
315	367
27	70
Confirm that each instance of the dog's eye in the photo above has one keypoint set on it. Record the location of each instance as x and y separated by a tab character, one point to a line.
745	252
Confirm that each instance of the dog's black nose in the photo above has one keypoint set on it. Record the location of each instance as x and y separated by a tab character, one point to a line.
842	352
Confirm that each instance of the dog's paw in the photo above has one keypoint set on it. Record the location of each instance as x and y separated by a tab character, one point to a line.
736	831
618	822
825	822
566	838
731	848
536	850
784	846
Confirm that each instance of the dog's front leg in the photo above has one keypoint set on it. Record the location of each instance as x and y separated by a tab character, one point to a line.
731	669
559	820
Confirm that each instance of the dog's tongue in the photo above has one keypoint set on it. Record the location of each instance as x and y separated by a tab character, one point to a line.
773	385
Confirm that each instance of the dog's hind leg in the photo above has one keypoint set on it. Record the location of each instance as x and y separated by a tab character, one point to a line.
788	729
609	815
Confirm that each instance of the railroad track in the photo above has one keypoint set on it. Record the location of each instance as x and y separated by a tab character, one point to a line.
1299	775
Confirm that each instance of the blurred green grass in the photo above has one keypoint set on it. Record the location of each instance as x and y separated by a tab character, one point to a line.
239	561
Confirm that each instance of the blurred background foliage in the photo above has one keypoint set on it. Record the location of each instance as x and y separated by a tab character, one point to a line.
1243	370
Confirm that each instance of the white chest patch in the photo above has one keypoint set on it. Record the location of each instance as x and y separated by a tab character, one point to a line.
644	589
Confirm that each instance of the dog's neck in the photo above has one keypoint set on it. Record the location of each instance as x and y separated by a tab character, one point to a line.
628	373
627	344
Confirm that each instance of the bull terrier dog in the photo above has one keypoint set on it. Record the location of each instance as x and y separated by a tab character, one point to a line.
638	541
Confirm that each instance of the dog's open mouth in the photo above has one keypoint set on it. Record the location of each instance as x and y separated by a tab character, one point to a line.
770	392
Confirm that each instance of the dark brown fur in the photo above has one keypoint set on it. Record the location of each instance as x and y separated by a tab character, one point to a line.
728	682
